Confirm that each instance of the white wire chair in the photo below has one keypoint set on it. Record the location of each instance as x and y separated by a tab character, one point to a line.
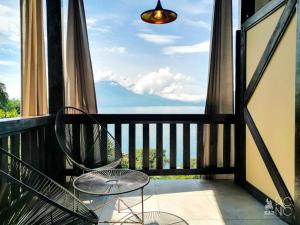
40	201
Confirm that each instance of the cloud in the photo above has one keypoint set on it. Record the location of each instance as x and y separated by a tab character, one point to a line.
92	25
10	24
8	63
117	50
163	83
187	49
197	23
202	7
158	39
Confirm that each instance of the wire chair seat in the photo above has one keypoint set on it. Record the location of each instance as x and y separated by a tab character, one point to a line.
86	143
111	182
40	200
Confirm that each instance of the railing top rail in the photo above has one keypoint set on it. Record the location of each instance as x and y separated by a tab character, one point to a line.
155	118
17	125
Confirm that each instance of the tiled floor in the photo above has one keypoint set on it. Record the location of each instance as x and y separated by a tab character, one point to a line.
193	202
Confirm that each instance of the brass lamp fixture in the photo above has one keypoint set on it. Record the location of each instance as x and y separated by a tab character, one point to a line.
159	15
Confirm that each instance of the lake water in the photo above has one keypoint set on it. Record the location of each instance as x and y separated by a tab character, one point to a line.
152	132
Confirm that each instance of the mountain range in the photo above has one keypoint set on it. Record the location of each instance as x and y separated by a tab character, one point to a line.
112	94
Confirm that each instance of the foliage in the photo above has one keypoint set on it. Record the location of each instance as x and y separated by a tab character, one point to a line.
8	107
3	96
139	159
152	164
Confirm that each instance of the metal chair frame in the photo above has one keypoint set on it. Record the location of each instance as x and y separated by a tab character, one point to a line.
47	202
62	142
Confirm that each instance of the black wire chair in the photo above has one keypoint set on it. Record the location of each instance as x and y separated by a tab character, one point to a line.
87	144
40	200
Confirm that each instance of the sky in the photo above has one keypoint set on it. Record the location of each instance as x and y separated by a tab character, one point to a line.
170	61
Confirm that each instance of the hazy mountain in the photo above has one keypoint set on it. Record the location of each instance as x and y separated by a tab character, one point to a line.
111	94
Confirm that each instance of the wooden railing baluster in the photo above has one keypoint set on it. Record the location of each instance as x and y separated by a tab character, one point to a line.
118	135
76	141
103	153
200	146
34	160
25	147
89	143
131	146
15	150
42	148
186	146
4	187
213	145
146	146
226	145
173	146
159	146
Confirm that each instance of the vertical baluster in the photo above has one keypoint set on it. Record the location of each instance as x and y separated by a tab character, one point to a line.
89	144
200	146
103	151
4	185
42	148
173	147
159	146
132	146
213	141
55	156
15	150
118	137
34	148
186	146
226	144
75	142
25	147
146	146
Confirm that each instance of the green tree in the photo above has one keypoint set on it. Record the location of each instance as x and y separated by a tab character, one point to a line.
139	159
3	97
8	107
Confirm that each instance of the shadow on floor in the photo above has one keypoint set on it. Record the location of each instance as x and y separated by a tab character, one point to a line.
156	218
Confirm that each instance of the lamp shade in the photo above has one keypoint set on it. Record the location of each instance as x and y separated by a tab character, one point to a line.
159	15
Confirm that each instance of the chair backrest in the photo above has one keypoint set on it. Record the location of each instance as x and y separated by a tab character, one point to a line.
38	199
85	141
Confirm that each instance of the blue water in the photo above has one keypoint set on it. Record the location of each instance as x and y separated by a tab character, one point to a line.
166	128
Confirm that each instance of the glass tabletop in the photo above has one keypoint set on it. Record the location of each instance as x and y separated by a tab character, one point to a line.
111	182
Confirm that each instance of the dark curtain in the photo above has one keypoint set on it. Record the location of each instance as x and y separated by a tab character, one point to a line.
79	79
220	86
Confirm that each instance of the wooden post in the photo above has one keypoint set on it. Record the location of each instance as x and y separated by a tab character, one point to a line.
55	159
297	123
247	9
240	128
55	60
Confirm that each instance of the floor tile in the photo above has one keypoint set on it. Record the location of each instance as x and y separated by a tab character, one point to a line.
189	207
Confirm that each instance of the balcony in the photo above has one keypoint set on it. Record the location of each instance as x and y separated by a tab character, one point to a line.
194	201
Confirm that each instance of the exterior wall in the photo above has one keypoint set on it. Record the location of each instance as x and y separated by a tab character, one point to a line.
272	105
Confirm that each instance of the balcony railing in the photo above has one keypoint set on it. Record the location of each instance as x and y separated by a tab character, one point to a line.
33	140
226	125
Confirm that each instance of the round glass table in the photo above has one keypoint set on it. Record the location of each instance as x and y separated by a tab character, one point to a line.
113	182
